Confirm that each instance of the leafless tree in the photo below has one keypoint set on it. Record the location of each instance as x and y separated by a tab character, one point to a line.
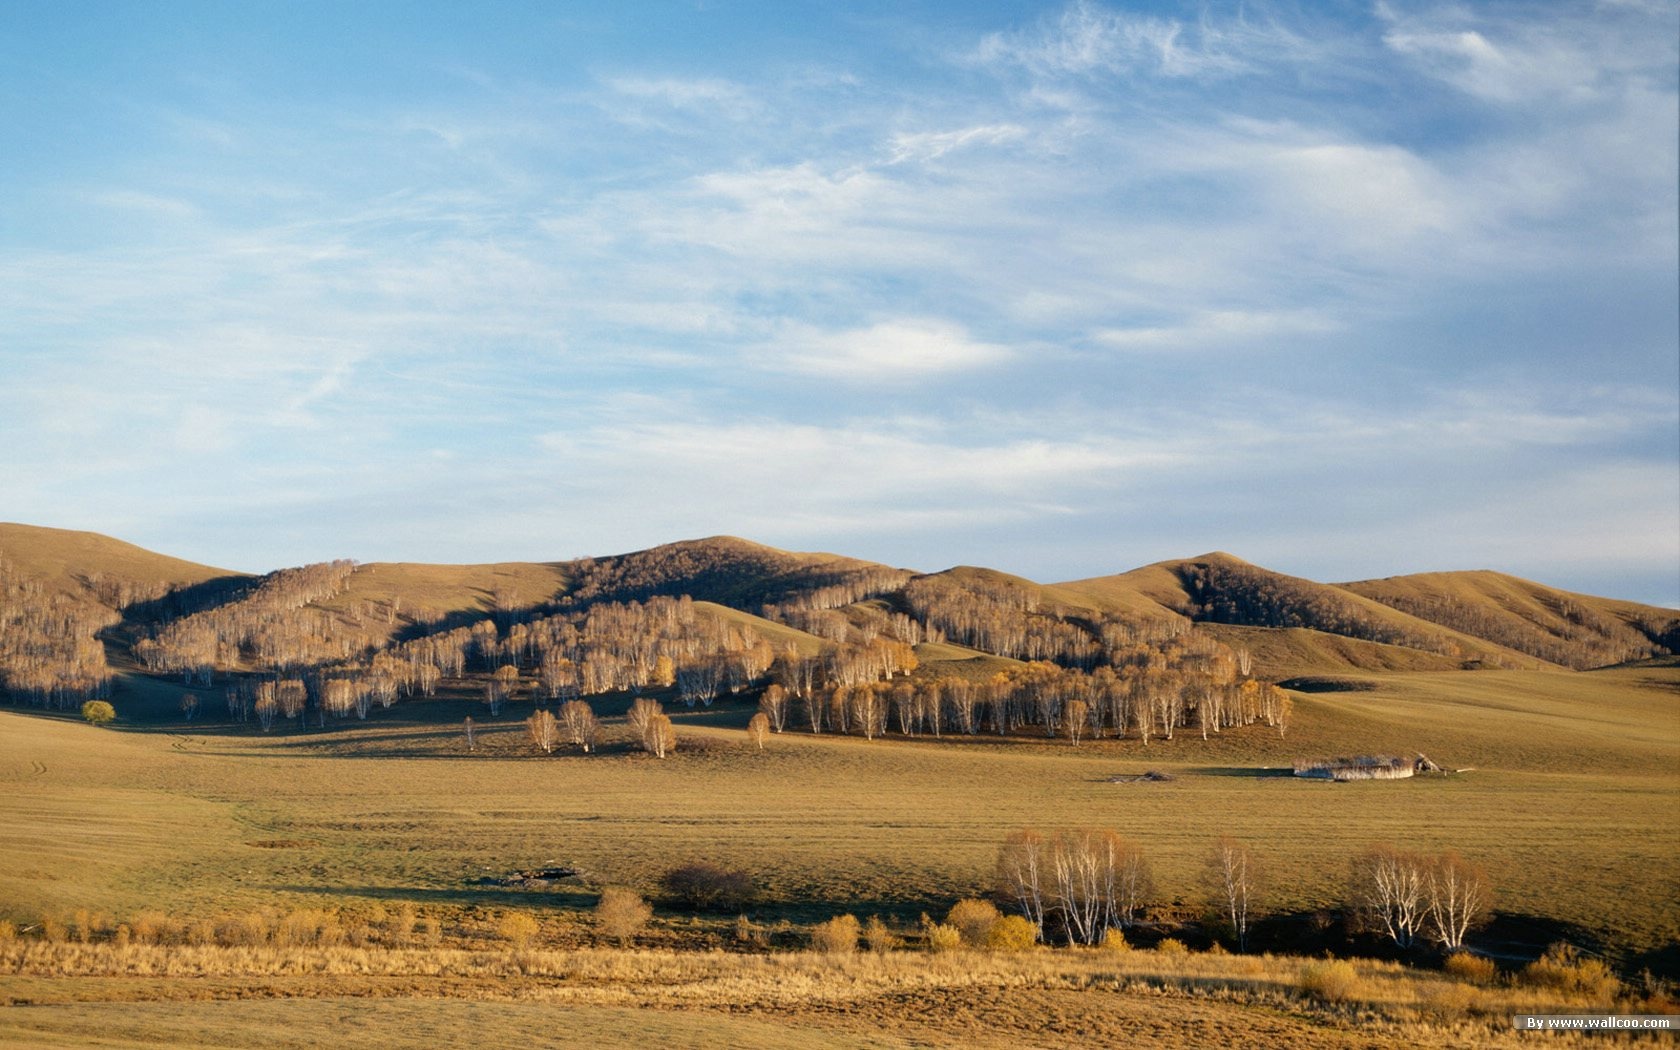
580	724
662	736
1390	892
640	718
544	730
1023	863
1458	896
758	729
773	703
1074	715
1234	876
869	710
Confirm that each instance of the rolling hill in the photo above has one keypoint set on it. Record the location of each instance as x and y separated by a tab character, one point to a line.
87	565
156	614
1560	627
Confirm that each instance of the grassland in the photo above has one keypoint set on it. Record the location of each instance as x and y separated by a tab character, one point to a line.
1569	806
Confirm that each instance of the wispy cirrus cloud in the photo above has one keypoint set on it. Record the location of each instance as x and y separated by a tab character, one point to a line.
931	145
698	95
1087	39
1219	329
888	351
1576	56
1050	293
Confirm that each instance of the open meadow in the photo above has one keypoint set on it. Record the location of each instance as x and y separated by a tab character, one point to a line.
1567	801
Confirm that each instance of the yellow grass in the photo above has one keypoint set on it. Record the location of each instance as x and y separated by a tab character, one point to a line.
142	995
60	556
1569	807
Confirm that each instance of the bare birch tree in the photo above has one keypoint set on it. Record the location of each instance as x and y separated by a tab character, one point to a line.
1390	892
544	730
758	729
662	736
1234	876
580	723
1022	874
1458	897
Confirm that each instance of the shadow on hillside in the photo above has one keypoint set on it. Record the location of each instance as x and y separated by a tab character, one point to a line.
218	590
1249	772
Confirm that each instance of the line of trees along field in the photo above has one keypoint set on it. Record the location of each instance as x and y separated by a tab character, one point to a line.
1079	884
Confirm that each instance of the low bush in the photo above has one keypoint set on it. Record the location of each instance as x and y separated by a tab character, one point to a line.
1563	969
707	887
748	932
879	937
1330	980
98	712
1447	1001
837	936
942	937
974	920
1172	946
518	928
1472	968
621	913
1013	933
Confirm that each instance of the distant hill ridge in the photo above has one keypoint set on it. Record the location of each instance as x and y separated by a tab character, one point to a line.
1424	621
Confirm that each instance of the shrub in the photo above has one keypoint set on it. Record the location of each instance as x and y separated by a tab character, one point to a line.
1472	968
942	937
399	925
1114	941
246	930
707	887
1172	946
974	920
747	931
837	936
1447	1001
517	928
8	931
150	927
621	913
1562	969
1013	933
1331	980
879	937
98	712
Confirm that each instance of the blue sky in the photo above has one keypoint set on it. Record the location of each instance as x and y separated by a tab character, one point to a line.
1350	290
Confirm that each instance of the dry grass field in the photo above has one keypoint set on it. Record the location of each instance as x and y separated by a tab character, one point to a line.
1568	804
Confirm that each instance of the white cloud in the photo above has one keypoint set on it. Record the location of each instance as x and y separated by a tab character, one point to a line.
1574	55
931	145
152	204
1217	329
902	348
697	95
1088	39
